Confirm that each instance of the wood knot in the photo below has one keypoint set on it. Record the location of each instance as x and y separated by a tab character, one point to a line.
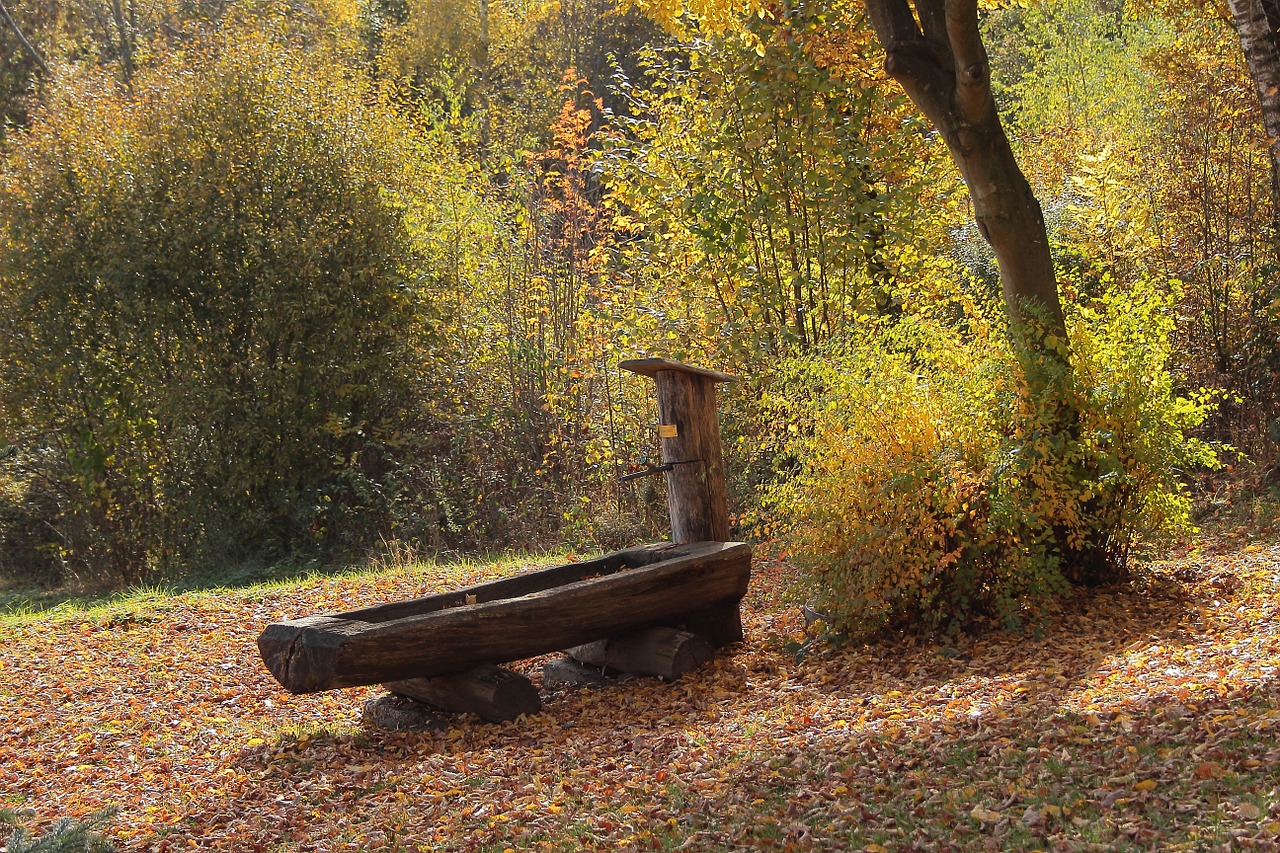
975	73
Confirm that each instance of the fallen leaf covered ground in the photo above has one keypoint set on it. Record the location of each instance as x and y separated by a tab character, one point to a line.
1142	718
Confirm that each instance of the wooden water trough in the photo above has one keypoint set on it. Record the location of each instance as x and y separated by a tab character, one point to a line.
656	610
695	587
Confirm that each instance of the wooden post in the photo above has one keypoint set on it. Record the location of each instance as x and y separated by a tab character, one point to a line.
689	426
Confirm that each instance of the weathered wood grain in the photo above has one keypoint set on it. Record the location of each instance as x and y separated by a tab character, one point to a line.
512	619
696	497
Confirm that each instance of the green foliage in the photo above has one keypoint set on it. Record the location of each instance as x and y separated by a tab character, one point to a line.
1075	69
763	195
518	415
20	72
759	186
251	310
1139	126
29	546
502	69
67	835
207	292
936	484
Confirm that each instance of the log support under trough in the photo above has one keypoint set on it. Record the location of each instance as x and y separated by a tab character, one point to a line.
492	693
664	652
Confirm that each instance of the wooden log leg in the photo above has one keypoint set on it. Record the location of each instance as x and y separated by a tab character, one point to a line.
720	625
400	714
492	693
568	673
659	650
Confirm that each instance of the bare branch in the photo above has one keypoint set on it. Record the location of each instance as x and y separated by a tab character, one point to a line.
35	54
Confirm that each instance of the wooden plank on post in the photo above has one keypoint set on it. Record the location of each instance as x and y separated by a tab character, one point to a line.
653	366
689	428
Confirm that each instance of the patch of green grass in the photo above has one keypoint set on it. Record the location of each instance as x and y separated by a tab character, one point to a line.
26	603
19	605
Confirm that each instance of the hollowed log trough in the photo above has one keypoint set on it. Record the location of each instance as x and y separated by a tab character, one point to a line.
694	586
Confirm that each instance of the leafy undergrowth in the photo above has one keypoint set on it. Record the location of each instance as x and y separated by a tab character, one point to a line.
1142	718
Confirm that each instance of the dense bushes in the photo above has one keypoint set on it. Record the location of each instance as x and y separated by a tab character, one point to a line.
204	310
933	488
250	312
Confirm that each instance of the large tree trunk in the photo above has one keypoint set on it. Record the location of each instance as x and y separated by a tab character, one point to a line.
1258	22
934	49
938	56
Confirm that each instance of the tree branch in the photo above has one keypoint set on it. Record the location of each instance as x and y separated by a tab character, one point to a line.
933	20
942	64
921	64
893	21
972	69
35	54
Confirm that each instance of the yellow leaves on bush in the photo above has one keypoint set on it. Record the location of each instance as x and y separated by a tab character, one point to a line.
937	481
712	16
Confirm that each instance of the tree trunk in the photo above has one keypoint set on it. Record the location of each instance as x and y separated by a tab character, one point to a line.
934	49
936	53
1258	23
125	31
482	8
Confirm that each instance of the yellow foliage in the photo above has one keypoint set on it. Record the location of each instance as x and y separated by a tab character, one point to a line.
933	485
711	16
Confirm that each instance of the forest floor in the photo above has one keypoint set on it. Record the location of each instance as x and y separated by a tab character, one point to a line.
1138	718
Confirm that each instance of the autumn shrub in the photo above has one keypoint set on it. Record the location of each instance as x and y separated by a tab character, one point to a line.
206	289
934	487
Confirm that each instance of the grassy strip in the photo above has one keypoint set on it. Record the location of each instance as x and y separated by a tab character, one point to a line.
24	605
